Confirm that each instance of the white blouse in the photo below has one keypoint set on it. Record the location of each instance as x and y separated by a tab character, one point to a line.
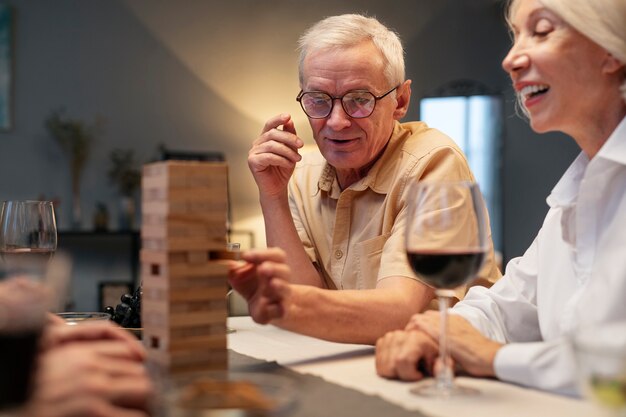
572	276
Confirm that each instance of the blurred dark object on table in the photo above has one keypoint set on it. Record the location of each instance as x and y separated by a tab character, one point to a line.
181	155
128	313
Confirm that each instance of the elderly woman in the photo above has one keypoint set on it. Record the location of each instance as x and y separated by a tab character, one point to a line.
567	67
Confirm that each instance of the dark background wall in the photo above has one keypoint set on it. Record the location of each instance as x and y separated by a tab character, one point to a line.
200	75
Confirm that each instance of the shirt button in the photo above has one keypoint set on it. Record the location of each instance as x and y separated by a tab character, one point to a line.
338	254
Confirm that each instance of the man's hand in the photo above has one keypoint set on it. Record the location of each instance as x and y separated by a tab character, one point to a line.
468	347
405	355
109	337
274	155
89	378
263	282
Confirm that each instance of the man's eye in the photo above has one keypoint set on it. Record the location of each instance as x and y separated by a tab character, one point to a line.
360	100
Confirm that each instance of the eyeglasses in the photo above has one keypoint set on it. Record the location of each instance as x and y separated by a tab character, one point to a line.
356	104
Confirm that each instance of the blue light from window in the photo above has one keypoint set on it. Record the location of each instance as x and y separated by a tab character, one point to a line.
474	123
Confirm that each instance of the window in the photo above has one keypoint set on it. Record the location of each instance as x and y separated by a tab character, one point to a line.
473	119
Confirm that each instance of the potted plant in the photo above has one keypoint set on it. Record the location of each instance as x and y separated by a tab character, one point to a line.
76	139
125	174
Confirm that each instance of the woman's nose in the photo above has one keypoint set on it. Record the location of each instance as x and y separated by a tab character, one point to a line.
515	60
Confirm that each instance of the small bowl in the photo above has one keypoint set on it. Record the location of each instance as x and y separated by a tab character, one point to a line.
226	394
73	318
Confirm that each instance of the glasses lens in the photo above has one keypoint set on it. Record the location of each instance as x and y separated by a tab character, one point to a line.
316	104
359	104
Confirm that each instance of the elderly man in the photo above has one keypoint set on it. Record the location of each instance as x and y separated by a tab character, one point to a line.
339	217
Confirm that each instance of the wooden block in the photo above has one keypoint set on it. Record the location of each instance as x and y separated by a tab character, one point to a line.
225	254
197	257
198	306
184	168
209	209
198	331
152	293
178	229
217	193
182	174
188	357
191	277
164	340
155	219
147	256
211	342
184	244
198	294
157	313
188	319
209	269
191	368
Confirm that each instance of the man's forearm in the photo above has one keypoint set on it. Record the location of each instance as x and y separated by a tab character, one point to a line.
281	232
352	316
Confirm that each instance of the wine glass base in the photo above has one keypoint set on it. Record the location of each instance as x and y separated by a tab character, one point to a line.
432	389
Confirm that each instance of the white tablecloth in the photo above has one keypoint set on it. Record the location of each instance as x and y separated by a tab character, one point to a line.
353	366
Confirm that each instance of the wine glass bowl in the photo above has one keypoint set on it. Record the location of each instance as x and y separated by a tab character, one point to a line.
600	353
28	237
446	243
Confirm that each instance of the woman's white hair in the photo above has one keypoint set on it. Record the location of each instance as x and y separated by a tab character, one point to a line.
348	30
602	21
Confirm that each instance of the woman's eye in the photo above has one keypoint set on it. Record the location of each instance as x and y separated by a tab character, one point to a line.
542	27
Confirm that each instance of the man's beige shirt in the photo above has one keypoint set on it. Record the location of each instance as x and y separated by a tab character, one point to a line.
355	237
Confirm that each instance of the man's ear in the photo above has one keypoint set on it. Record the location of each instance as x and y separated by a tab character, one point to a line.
403	98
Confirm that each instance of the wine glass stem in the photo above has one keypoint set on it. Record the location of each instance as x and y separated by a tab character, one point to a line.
444	374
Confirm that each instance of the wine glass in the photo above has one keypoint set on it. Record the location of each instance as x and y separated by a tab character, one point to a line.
28	237
446	243
27	240
600	352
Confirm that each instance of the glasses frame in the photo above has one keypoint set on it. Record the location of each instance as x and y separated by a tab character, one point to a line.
333	98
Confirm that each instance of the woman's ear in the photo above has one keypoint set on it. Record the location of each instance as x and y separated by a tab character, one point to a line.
612	65
403	98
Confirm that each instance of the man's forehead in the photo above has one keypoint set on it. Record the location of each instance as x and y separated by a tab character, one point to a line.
349	68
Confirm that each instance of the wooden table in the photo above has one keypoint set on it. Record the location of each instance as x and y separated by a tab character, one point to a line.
352	366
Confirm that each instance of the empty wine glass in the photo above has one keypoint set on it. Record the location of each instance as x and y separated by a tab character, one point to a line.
446	242
28	237
601	361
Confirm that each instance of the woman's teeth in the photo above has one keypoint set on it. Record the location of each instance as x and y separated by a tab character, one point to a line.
532	90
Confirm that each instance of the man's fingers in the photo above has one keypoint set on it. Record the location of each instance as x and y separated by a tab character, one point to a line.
264	160
275	122
289	126
281	129
61	333
257	256
131	393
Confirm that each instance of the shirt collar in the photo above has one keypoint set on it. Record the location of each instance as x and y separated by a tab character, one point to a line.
380	176
566	190
615	147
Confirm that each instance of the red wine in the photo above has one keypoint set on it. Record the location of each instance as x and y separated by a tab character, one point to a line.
444	269
19	357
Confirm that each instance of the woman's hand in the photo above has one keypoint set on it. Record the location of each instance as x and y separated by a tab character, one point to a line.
467	346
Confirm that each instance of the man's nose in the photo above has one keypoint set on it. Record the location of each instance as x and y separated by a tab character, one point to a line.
338	118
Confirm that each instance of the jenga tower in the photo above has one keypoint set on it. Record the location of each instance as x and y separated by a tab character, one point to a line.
184	310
